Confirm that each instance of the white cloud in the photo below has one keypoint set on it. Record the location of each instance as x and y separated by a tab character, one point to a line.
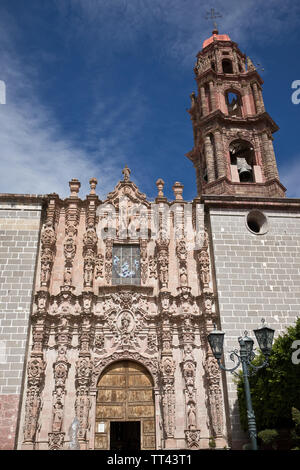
37	157
289	176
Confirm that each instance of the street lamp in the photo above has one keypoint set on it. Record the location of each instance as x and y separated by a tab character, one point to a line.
264	336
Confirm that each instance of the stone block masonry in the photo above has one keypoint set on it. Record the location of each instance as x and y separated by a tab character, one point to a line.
257	276
20	218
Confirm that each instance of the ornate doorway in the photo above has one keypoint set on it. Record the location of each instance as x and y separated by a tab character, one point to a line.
125	400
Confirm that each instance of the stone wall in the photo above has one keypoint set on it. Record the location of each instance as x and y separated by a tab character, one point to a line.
256	276
19	234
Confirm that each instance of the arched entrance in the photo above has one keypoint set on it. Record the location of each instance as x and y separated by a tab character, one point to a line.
125	412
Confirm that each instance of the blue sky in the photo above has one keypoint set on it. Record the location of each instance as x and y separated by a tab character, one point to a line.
92	85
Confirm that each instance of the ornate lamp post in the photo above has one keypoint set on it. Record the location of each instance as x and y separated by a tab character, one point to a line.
264	337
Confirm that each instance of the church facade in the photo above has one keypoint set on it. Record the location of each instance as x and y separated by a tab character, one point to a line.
107	305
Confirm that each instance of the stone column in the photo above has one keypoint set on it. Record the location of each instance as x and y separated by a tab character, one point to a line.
258	105
273	159
203	101
90	239
261	100
269	160
221	166
212	96
209	157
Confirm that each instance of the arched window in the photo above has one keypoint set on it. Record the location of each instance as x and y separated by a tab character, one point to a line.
242	157
227	66
234	104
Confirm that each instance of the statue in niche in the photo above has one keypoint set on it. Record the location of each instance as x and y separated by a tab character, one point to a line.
191	415
57	416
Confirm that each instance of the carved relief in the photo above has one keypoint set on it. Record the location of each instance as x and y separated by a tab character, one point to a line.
35	379
162	245
48	241
152	267
60	371
108	260
181	253
144	262
193	439
204	264
89	250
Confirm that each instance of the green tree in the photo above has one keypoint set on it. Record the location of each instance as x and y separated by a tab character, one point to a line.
275	388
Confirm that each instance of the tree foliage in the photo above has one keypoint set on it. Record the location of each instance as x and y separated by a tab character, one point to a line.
275	388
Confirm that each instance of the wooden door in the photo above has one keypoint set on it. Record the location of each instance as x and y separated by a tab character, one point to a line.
125	393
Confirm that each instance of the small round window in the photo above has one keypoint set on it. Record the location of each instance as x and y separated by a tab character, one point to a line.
257	222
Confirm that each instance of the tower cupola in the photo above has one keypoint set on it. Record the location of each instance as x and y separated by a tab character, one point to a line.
233	149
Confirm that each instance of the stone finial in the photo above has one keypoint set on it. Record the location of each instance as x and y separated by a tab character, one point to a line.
160	186
250	65
74	187
178	189
93	183
126	172
193	98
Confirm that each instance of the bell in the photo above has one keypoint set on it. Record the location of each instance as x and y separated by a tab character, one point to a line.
244	170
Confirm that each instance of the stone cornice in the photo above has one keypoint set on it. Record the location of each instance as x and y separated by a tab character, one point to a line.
286	204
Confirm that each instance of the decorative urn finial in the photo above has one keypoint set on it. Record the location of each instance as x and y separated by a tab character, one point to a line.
93	183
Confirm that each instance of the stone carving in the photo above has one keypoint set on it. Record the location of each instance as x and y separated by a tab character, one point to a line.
108	260
152	345
204	264
82	407
126	172
189	370
125	325
193	439
57	416
152	267
144	262
60	371
99	340
89	250
181	253
35	379
56	440
168	398
99	266
162	245
202	64
191	415
48	240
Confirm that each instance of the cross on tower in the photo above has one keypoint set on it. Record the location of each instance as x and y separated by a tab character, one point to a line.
212	15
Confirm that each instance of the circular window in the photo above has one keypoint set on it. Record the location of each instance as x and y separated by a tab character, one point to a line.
257	222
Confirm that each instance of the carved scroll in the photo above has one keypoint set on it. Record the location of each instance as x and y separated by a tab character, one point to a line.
48	242
162	246
89	245
213	382
60	372
181	253
35	370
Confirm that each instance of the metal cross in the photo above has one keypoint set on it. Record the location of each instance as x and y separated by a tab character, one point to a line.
212	15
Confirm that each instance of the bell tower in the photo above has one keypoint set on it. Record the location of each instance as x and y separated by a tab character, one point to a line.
233	151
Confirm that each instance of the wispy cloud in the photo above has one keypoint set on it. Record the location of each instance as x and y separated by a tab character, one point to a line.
177	27
289	176
38	156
